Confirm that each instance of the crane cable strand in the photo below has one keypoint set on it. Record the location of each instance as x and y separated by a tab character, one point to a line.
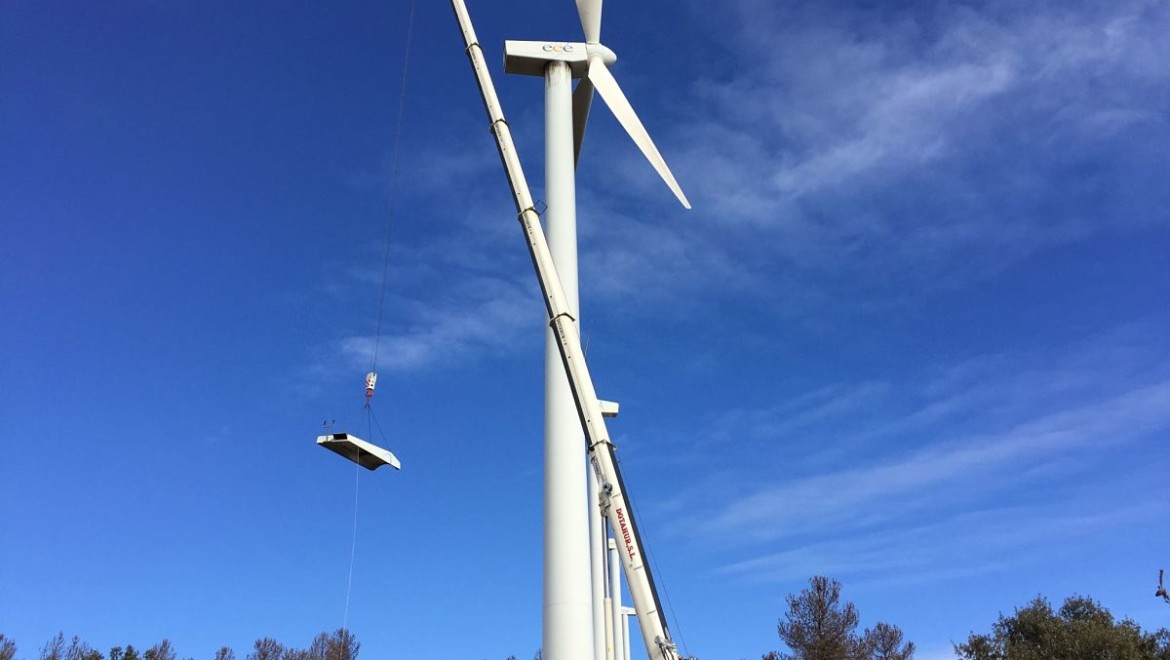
652	565
381	295
353	537
369	413
393	186
377	424
352	545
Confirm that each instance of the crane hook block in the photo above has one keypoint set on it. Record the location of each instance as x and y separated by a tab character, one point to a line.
371	381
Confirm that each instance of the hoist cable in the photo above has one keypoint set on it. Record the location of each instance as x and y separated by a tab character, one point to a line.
651	565
369	413
393	186
353	537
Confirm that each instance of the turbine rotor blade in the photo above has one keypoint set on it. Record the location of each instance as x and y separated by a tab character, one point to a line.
590	13
582	99
612	94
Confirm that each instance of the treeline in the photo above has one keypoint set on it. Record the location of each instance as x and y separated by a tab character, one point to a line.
820	626
339	645
1081	629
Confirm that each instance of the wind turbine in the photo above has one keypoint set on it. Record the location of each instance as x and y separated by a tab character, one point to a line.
571	622
589	61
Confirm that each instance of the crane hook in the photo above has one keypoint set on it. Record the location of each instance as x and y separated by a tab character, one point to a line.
371	381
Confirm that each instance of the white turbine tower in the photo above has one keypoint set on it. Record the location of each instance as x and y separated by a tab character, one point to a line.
572	628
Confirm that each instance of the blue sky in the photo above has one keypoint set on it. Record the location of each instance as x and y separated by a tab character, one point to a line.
912	335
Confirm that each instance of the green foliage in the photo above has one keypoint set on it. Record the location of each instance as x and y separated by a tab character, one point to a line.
1081	630
160	651
819	626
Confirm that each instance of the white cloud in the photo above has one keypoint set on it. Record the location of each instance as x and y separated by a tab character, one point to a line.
480	316
866	496
977	460
459	284
969	544
836	160
927	146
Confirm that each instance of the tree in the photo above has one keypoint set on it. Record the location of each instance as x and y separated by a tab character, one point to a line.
160	651
224	653
7	648
267	648
54	649
819	626
1081	630
319	648
884	642
131	653
341	645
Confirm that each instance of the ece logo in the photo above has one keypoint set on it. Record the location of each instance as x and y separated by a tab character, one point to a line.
550	48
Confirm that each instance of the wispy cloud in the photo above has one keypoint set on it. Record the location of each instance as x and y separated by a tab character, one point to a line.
942	550
481	316
866	496
871	153
844	96
994	452
459	286
838	160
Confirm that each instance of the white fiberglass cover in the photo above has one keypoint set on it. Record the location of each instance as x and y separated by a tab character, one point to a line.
365	454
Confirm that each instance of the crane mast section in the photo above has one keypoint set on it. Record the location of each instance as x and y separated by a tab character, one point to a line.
601	457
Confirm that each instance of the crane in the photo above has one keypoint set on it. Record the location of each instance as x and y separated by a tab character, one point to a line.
612	499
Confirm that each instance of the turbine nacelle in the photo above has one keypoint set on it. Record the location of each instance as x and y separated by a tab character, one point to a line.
590	62
529	58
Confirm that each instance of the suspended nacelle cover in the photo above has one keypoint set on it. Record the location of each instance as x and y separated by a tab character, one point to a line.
365	454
